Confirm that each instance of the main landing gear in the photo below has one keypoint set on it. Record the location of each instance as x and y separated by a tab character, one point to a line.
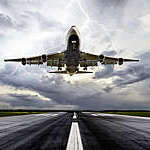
85	68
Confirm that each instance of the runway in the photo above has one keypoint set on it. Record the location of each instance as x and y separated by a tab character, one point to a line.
114	132
35	132
74	131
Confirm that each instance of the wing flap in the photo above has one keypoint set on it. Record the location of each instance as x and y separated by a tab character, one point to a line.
109	60
59	63
88	63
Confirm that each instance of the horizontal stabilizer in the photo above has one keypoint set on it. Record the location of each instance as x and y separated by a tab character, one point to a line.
83	72
63	72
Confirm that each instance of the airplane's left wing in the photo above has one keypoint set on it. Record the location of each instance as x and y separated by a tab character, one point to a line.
87	59
55	59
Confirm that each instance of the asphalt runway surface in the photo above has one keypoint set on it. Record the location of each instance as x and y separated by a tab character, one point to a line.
74	131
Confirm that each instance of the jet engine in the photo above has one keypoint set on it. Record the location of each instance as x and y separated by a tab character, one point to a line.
101	58
44	58
120	61
23	61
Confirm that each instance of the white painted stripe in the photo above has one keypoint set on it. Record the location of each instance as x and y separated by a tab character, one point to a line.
74	116
74	142
94	114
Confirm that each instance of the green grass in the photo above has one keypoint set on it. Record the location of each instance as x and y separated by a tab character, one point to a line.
141	114
11	113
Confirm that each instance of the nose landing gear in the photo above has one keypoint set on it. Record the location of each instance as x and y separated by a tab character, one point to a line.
85	68
59	68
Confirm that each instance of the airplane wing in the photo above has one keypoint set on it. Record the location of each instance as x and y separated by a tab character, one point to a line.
54	59
87	59
92	60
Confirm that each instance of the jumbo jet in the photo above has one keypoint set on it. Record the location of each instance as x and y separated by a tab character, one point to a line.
72	59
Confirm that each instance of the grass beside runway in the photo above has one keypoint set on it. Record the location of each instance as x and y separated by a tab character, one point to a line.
13	113
141	114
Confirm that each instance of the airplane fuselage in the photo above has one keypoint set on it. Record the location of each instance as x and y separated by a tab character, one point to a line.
72	54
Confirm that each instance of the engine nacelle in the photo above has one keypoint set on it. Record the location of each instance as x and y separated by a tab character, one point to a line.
44	58
120	61
101	58
24	61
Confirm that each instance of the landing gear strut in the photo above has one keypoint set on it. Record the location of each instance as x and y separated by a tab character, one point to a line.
59	68
85	68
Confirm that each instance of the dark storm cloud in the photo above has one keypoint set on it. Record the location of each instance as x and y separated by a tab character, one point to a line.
20	78
27	101
108	89
53	87
106	72
24	101
132	74
99	101
6	21
50	87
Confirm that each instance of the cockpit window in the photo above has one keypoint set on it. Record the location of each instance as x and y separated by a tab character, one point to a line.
73	41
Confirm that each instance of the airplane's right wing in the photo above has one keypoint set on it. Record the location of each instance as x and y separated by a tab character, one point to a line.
55	59
111	60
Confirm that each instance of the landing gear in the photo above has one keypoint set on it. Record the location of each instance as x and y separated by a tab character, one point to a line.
59	68
85	68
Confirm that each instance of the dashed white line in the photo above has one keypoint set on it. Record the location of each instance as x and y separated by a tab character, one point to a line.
74	142
74	116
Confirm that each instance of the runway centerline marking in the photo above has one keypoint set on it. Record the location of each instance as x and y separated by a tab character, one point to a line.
74	116
74	142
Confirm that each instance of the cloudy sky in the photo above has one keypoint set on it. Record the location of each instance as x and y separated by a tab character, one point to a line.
119	28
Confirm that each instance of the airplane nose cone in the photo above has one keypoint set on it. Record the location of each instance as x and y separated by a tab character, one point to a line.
73	30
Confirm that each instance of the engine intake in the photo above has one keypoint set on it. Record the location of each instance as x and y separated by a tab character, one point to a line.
120	61
44	58
24	61
101	58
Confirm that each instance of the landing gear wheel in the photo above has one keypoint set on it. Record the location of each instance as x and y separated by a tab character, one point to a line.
85	68
59	68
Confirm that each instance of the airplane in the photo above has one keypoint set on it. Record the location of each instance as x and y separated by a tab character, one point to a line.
72	58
